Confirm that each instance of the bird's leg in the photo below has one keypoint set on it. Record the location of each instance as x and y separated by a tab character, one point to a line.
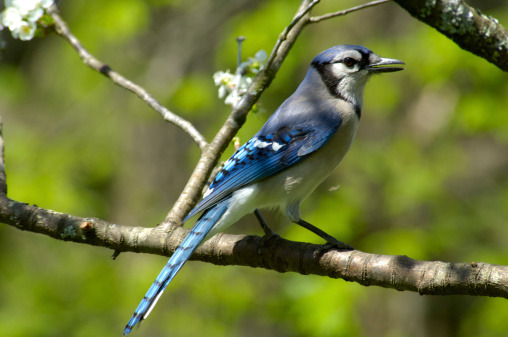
269	233
331	241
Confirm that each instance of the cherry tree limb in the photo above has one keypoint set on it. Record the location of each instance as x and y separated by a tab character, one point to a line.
387	271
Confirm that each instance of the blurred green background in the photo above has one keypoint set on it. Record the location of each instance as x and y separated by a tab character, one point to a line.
426	177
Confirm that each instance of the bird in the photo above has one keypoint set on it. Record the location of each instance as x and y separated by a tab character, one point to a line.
300	145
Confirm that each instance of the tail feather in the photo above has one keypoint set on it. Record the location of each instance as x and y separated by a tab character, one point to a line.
177	260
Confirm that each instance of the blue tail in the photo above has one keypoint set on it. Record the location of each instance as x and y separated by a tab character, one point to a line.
177	260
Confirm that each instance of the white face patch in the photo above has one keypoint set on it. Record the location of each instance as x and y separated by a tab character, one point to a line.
352	80
352	85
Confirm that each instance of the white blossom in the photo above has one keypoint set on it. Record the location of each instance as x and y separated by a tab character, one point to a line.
35	14
232	98
46	3
222	77
11	18
225	81
232	87
24	6
254	64
26	31
20	16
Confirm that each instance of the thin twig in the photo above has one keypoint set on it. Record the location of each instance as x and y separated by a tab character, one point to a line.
283	36
300	15
63	30
346	11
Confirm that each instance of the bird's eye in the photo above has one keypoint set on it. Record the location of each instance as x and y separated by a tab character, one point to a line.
349	62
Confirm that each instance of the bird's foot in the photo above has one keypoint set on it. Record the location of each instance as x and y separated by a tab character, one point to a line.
332	244
265	238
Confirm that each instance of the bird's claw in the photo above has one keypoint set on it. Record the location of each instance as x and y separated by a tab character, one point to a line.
334	244
265	238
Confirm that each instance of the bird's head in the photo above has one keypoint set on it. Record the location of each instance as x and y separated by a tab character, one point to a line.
345	69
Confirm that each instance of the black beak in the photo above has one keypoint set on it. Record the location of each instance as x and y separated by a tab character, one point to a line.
379	67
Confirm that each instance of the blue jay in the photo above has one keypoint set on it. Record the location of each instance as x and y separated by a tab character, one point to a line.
297	148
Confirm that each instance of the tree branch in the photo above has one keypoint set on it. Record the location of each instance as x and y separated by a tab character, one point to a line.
388	271
346	11
466	26
63	30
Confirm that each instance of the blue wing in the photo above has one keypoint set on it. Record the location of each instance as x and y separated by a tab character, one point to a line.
264	156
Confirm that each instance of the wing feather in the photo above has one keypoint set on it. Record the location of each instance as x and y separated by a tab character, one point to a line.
264	156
